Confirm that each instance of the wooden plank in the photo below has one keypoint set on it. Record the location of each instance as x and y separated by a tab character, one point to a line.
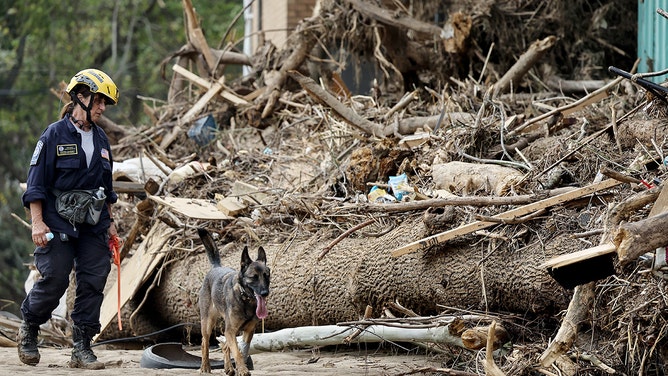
511	214
135	271
254	94
203	101
250	193
574	257
226	93
193	207
661	203
231	206
170	137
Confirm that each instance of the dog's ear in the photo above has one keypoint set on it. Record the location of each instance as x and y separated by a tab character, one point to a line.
245	259
261	255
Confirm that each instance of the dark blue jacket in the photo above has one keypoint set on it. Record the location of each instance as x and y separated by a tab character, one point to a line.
59	162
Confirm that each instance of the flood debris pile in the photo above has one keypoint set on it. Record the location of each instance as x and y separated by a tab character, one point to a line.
511	146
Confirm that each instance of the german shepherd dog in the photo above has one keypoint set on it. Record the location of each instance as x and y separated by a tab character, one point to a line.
239	297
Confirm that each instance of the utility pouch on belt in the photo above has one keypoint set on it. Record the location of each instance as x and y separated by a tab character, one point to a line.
80	206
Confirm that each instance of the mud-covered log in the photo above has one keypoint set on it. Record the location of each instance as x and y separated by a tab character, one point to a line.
360	271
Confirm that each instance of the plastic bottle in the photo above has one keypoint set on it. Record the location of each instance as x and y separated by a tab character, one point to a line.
98	204
100	193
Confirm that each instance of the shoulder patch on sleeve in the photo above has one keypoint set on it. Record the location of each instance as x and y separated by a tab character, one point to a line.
36	153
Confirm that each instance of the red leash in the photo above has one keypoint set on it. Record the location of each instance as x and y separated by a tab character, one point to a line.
115	247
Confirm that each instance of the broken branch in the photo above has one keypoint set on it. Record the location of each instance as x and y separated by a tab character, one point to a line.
523	64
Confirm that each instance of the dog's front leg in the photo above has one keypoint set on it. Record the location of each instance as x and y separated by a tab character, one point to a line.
246	343
240	362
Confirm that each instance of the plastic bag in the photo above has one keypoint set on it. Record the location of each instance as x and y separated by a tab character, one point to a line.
400	188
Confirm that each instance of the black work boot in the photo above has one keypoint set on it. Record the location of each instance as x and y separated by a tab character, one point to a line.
82	354
27	340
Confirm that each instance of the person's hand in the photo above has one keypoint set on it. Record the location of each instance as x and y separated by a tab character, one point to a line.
115	245
39	230
112	230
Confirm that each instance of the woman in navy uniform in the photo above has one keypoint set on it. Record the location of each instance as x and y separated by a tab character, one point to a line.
72	154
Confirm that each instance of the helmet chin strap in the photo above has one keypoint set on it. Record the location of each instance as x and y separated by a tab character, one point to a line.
76	99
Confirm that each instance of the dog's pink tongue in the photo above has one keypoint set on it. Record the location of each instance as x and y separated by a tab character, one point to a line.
261	310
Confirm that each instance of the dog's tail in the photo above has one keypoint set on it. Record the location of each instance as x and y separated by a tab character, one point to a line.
211	250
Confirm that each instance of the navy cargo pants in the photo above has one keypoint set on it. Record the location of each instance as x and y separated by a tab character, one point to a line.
90	256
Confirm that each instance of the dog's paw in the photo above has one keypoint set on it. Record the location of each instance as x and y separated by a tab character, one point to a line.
205	369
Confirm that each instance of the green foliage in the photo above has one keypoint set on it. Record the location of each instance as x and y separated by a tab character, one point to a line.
45	42
15	250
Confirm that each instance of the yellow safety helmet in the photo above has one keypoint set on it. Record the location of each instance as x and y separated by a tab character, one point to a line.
97	81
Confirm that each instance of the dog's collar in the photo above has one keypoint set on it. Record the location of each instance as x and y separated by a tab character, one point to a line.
246	296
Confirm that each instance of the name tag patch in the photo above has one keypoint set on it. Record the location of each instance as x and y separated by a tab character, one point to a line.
67	149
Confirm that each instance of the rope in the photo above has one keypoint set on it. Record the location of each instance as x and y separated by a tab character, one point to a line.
115	247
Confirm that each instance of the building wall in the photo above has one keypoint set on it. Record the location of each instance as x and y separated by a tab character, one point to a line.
275	21
278	18
298	10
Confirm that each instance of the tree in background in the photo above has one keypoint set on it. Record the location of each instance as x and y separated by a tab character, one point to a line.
44	42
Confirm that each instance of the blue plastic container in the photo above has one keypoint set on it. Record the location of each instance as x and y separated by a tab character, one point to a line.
203	131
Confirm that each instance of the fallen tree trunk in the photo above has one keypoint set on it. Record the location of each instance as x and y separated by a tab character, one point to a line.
361	272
